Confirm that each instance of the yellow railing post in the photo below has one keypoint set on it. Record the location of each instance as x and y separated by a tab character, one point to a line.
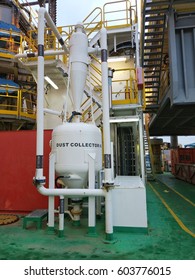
19	96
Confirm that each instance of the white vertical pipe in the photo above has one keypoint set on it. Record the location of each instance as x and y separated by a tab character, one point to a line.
40	96
106	130
51	186
61	216
106	115
109	215
91	200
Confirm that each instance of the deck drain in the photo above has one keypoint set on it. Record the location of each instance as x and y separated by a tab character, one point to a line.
6	219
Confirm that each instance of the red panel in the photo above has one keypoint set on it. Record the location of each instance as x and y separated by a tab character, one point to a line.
18	159
174	160
186	155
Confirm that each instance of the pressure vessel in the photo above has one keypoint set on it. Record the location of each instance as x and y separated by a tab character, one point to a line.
73	143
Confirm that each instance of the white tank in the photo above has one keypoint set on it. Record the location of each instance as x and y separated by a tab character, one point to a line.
72	142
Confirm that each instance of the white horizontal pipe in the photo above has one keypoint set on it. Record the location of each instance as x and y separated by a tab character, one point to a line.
46	53
52	112
71	192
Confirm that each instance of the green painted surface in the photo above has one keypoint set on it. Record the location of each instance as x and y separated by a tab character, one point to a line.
92	232
164	240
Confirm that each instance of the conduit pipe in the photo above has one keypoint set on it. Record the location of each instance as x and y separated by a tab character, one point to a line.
35	54
106	115
52	112
71	192
39	178
54	52
54	29
108	180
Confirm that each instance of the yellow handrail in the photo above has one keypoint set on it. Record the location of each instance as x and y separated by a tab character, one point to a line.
118	12
125	88
17	103
92	23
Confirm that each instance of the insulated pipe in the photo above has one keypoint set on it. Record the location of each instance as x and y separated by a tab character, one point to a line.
108	180
105	93
35	54
86	193
70	192
52	112
55	30
108	213
91	200
61	217
39	178
40	99
51	200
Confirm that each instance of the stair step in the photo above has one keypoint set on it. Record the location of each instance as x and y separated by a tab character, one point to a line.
154	33
154	26
154	18
152	77
150	84
155	11
157	3
159	46
151	97
152	59
152	53
151	65
151	40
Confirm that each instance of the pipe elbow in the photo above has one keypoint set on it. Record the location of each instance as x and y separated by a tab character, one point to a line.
42	190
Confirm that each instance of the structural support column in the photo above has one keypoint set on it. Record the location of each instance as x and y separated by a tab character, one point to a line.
174	142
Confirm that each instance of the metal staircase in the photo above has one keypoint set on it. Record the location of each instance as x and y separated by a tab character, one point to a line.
153	28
